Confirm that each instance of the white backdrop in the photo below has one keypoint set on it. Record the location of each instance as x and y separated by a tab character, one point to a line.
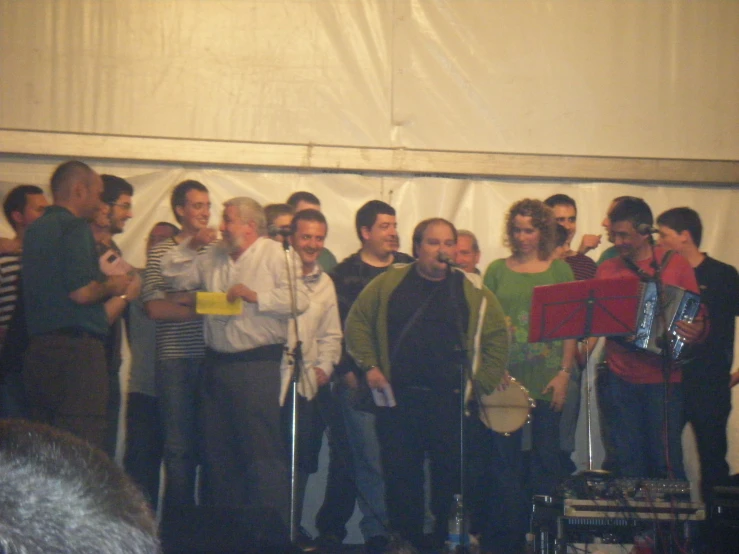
478	205
581	77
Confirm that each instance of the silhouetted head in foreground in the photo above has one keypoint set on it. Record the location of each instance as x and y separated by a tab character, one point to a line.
60	494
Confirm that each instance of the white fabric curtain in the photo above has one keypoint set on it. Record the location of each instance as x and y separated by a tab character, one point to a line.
478	205
577	77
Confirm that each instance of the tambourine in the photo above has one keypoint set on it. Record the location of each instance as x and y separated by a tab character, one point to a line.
506	411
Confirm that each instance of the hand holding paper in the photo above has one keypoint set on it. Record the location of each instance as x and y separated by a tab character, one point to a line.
384	397
243	292
216	303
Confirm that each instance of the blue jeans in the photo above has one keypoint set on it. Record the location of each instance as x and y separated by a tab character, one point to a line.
178	387
144	443
638	428
341	492
360	428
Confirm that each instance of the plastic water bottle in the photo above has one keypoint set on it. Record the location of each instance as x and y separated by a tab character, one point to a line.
459	529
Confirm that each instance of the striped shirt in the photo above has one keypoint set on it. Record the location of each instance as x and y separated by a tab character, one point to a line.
175	339
582	266
10	271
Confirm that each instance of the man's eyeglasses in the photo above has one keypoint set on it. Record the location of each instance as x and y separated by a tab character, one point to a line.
199	205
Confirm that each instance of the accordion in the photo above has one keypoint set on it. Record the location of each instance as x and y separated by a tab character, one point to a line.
654	317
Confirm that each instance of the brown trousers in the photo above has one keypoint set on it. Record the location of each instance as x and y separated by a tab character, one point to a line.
66	379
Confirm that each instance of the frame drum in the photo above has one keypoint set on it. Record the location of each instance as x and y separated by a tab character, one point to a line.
506	411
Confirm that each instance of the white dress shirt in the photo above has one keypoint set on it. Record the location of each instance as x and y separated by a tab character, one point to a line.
319	328
262	268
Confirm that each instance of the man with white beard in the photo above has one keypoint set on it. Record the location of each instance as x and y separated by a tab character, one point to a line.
244	457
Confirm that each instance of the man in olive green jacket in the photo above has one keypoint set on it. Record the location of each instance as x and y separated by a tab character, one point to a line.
411	331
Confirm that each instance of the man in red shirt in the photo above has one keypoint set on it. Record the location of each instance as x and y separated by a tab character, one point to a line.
646	445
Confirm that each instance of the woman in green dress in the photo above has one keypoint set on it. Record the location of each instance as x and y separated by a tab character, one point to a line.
544	368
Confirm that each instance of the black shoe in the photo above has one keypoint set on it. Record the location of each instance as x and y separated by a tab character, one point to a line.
429	543
328	543
376	545
304	541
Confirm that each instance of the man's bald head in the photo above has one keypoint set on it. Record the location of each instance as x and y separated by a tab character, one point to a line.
78	188
66	176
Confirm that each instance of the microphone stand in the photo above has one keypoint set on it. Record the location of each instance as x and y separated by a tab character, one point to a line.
591	472
465	373
666	354
297	356
590	376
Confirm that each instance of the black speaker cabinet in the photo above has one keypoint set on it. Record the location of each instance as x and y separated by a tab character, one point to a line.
204	529
725	520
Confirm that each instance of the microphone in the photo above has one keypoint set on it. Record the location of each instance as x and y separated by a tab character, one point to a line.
646	229
275	230
445	259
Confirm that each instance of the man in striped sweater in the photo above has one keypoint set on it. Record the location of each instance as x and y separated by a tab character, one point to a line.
22	206
180	349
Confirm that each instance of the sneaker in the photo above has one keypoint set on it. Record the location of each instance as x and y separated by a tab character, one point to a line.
376	545
304	541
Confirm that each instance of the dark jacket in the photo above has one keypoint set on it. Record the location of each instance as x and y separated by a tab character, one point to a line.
350	277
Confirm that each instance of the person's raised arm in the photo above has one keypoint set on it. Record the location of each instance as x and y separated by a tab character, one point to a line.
275	299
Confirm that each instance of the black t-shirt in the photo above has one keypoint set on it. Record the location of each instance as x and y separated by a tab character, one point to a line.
427	354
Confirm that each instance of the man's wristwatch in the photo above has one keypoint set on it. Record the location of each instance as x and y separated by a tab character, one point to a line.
123	297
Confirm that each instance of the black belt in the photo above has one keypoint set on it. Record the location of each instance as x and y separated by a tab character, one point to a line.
424	389
267	353
75	333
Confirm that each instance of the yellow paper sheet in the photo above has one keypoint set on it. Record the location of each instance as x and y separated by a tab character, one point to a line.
215	303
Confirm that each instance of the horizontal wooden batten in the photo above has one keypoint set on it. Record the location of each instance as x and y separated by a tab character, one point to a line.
367	159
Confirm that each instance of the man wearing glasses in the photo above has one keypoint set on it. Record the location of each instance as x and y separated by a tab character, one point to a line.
110	220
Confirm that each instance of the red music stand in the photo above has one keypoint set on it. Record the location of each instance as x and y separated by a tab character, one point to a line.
590	308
